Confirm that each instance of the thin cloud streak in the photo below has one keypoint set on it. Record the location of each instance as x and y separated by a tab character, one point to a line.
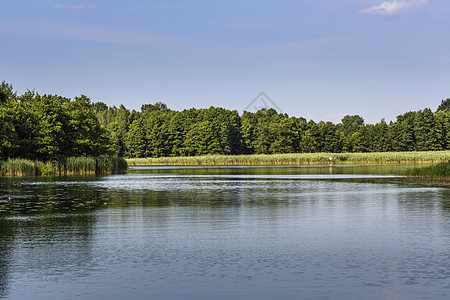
85	7
392	8
88	33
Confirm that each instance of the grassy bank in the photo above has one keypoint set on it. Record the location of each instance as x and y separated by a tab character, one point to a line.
69	166
299	159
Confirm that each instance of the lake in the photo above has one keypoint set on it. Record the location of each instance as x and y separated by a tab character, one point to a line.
341	232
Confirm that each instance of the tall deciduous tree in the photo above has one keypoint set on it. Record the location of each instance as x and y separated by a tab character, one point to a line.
136	142
87	137
52	138
203	138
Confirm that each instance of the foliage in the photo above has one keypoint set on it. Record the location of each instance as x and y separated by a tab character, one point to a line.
49	127
445	105
158	106
52	128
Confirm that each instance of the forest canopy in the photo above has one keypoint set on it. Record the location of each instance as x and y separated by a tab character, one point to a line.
51	127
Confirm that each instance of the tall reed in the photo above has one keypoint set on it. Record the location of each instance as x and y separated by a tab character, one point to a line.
300	159
95	165
18	167
440	171
80	166
111	165
68	166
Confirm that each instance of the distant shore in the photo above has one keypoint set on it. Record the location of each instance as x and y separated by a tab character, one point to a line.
297	159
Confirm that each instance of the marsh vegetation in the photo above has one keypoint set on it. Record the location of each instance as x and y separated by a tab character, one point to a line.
69	166
300	159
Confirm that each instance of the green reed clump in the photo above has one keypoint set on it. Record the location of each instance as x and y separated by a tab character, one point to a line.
18	167
95	165
80	165
68	166
106	164
439	170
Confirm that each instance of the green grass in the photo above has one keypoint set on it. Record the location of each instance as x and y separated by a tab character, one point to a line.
299	159
69	166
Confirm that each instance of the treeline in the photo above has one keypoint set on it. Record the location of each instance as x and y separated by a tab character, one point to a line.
50	127
156	131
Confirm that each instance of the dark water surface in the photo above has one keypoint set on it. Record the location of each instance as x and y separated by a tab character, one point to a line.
225	233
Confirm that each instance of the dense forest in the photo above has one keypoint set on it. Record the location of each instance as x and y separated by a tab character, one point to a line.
50	127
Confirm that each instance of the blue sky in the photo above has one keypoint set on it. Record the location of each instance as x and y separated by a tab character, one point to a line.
319	59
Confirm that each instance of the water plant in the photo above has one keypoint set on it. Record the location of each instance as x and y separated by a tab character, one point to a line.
18	167
106	164
68	166
300	159
440	171
80	165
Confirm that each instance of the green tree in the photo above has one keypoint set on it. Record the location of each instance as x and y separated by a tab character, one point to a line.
27	125
117	128
85	135
442	118
361	140
136	142
425	131
7	133
229	125
52	140
157	129
202	139
351	124
8	136
311	138
379	133
249	123
401	133
263	139
445	105
158	106
331	139
7	94
177	130
283	133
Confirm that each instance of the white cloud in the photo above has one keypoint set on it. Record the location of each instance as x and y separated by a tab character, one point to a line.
76	7
392	8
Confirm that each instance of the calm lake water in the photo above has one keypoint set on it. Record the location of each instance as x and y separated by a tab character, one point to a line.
225	233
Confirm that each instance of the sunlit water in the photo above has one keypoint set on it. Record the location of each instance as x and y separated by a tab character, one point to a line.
225	233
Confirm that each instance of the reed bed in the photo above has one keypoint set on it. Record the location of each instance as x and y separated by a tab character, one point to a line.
80	165
436	172
299	159
18	167
114	165
69	166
